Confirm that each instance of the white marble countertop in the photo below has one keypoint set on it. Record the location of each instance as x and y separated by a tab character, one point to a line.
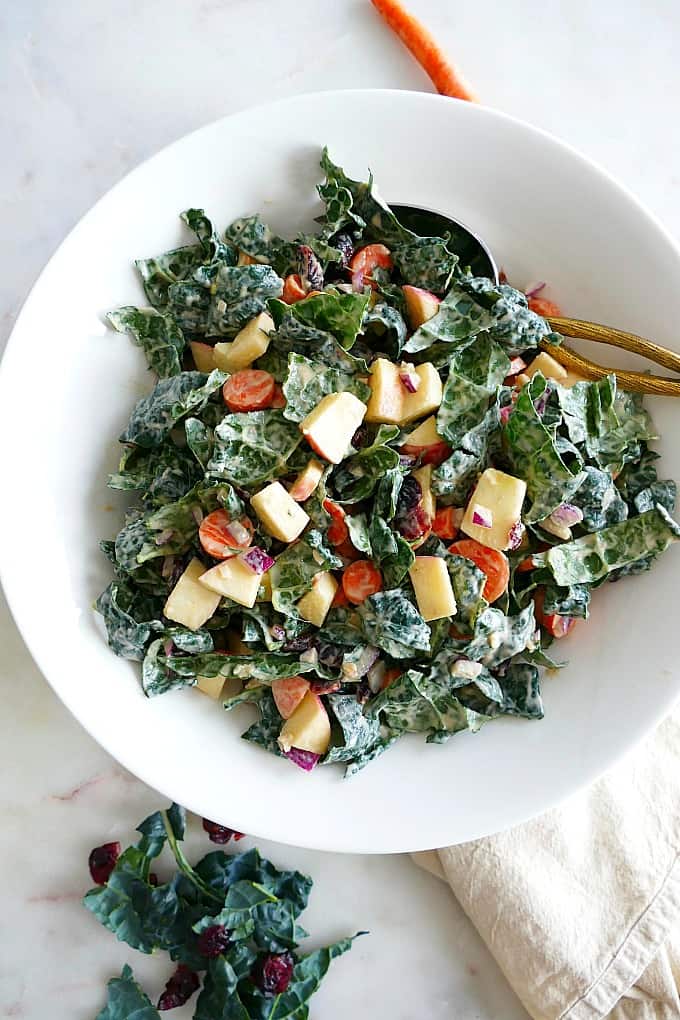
89	90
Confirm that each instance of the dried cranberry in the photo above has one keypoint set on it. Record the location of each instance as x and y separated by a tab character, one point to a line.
272	973
330	656
179	988
410	495
299	644
324	686
363	692
102	861
220	833
360	437
345	245
309	267
213	941
413	524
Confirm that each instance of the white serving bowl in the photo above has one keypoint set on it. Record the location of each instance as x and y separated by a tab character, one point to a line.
67	386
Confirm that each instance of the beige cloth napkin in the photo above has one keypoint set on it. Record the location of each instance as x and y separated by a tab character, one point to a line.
581	906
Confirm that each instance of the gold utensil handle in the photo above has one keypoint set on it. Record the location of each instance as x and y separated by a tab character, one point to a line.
583	330
638	382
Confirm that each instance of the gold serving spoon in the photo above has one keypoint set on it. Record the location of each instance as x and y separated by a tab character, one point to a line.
476	254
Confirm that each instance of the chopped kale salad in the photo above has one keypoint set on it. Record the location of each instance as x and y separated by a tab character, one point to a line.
367	503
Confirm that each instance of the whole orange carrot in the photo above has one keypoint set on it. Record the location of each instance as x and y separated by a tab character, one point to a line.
445	78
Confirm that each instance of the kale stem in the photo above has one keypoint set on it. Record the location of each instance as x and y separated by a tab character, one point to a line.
183	863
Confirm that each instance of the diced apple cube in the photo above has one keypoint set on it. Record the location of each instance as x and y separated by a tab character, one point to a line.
330	426
387	393
550	368
314	606
251	343
424	434
281	516
390	401
307	481
203	355
503	495
421	305
427	397
424	477
265	592
210	685
308	728
189	603
288	693
233	579
432	585
426	443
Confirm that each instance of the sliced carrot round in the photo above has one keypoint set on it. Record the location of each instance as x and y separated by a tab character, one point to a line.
251	389
217	538
293	290
278	400
445	523
361	579
544	307
391	674
365	260
558	626
338	532
490	561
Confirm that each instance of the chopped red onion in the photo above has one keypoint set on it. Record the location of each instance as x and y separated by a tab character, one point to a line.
515	535
197	514
541	402
517	365
482	516
303	759
505	413
164	536
258	560
358	282
376	676
168	647
409	378
533	289
277	632
567	514
240	534
168	566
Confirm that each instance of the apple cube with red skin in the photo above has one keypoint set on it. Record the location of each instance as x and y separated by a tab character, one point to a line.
426	443
288	693
308	728
203	355
330	426
307	481
421	305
